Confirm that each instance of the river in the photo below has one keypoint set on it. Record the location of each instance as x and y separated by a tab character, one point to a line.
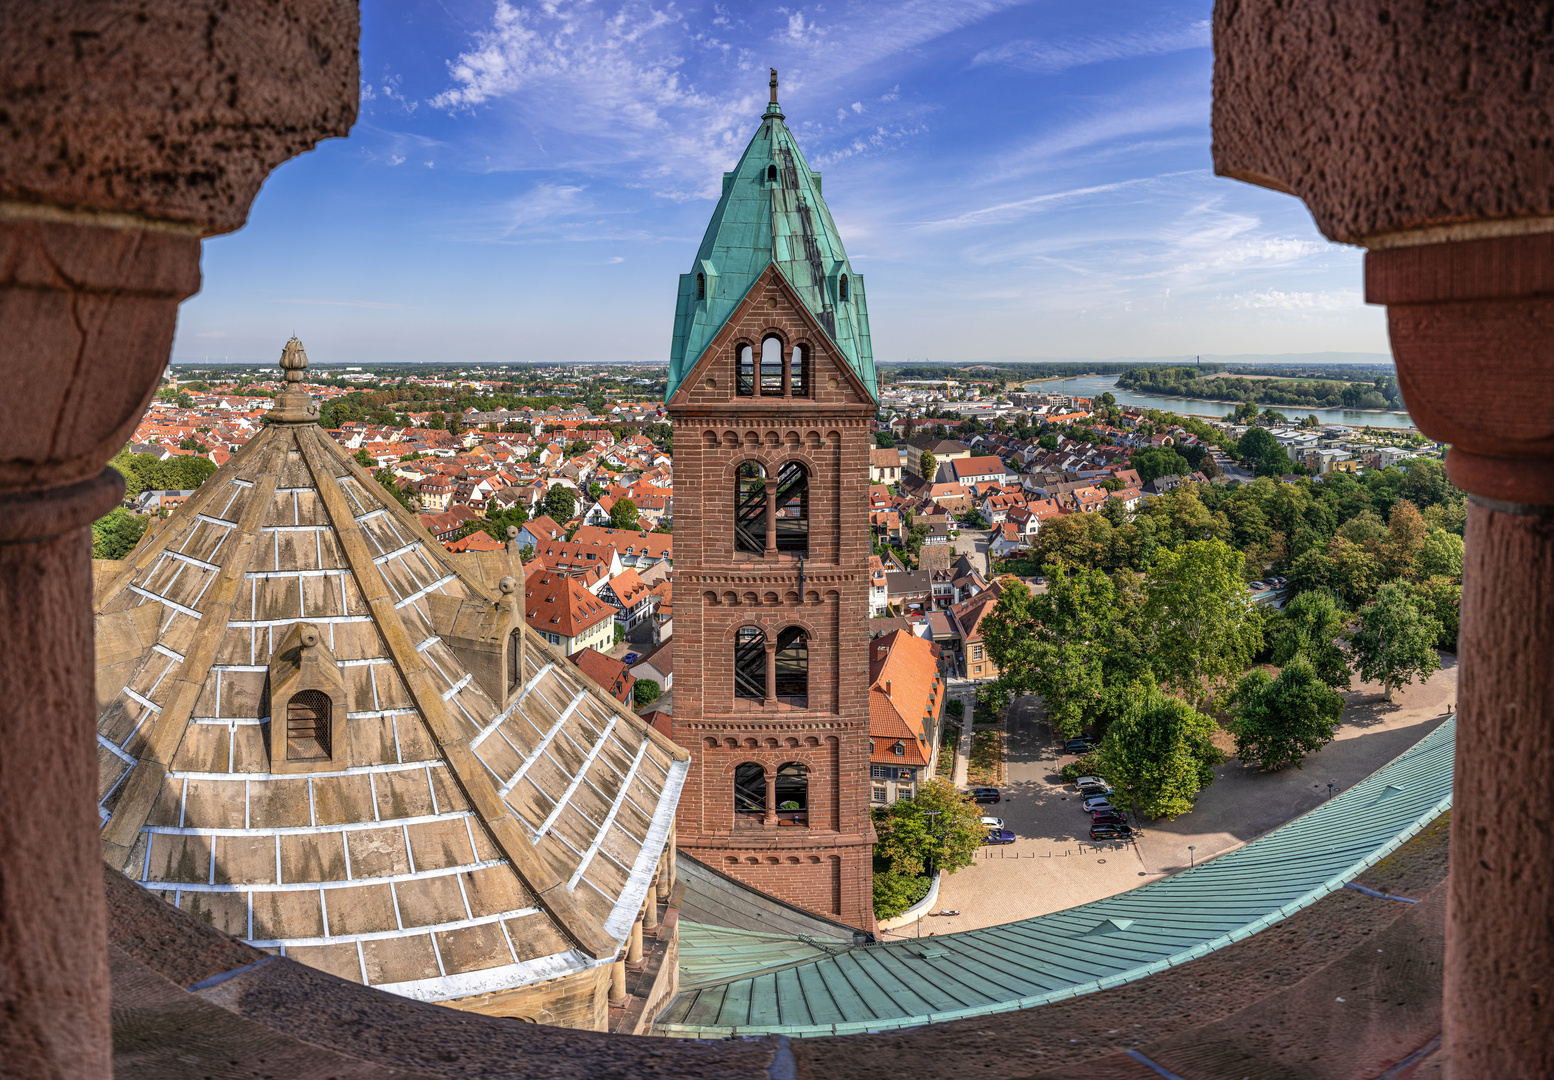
1095	385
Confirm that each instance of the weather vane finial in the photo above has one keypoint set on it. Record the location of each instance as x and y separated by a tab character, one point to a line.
774	86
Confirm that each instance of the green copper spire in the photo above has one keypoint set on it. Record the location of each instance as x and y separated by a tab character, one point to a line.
771	212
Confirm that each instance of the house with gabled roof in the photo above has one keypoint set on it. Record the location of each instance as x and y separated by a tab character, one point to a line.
906	702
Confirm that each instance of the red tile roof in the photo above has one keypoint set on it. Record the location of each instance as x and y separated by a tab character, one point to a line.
558	604
607	672
904	698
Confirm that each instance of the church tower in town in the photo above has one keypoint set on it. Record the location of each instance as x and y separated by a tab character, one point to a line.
771	391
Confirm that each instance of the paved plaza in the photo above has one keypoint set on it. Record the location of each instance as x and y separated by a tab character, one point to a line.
1053	864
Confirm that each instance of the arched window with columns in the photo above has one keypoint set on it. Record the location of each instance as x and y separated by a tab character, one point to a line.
750	663
791	791
750	509
793	666
798	371
744	371
793	508
750	788
771	366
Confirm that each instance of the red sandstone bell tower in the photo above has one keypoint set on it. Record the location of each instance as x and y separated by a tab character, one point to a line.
771	391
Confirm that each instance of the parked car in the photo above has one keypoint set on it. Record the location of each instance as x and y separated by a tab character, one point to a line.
1093	781
1040	580
1088	790
629	658
985	795
1107	817
1101	806
1091	801
1110	832
1000	836
993	822
1078	746
1258	586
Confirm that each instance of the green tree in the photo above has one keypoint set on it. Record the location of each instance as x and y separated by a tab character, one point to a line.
623	515
1158	755
1309	627
1052	644
1406	535
884	440
928	466
1048	442
560	503
387	481
938	829
1154	463
895	892
1441	555
115	534
1277	722
1199	613
1355	571
1441	598
1108	399
1396	641
645	691
438	422
363	458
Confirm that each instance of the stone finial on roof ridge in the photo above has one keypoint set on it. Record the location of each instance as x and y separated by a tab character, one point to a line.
294	405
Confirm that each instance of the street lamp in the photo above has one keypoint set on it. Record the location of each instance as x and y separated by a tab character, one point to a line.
1330	789
1192	860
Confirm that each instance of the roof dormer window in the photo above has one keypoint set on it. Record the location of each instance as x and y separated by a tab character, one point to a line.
771	174
841	289
701	286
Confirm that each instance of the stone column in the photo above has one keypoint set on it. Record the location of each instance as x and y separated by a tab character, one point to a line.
634	942
650	907
771	799
771	515
1323	102
127	140
771	671
618	982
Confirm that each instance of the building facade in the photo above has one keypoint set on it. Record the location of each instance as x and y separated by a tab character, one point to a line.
771	391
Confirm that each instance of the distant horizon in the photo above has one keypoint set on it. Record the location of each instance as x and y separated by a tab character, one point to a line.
1322	357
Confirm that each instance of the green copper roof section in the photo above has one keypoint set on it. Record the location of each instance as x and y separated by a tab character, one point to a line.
778	989
770	212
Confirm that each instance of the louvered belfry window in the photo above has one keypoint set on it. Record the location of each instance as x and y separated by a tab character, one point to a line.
308	726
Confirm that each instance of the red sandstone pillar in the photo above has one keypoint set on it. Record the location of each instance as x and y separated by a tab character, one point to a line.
1457	213
771	518
771	675
126	140
771	799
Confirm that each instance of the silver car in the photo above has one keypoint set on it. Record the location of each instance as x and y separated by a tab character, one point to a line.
993	822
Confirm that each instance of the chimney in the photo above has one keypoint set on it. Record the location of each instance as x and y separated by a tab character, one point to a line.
887	687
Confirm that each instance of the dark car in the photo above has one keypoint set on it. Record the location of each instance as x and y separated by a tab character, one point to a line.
1107	817
985	795
1110	832
1091	791
1078	746
999	836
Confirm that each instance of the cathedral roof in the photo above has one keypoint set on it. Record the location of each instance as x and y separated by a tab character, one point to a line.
468	834
767	217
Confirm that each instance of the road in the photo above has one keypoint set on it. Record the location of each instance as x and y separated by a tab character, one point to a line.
1052	864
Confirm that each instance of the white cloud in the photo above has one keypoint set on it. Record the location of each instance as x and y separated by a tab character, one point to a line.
1266	299
626	84
396	159
1049	57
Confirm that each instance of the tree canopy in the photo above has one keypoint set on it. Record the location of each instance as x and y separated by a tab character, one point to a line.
1158	755
1396	641
1309	627
1199	614
1278	721
623	515
560	503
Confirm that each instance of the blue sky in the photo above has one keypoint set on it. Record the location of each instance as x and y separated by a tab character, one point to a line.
1016	180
